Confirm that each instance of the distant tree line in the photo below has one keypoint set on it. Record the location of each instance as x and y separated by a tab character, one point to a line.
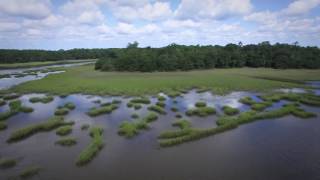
21	56
179	57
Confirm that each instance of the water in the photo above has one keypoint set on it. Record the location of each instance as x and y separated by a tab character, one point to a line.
14	79
287	148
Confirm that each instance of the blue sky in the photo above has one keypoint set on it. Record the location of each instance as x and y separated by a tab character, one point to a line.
66	24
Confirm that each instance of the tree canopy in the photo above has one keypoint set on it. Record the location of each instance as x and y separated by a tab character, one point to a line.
179	57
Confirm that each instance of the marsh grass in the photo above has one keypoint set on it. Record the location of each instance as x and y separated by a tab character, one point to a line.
64	130
61	111
11	96
85	126
2	102
93	148
28	131
70	105
68	141
230	110
130	129
6	163
157	109
161	98
44	100
3	126
161	104
102	110
134	115
142	100
30	172
261	106
200	104
201	111
178	115
174	109
137	106
15	107
184	129
247	100
227	122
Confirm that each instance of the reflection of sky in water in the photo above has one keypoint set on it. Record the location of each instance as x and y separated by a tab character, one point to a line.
293	90
9	82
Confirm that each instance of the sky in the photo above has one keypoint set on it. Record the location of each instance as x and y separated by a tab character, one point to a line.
67	24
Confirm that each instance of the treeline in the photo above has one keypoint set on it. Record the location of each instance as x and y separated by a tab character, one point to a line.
21	56
179	57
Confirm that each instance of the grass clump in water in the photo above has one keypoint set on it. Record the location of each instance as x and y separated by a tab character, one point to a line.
157	109
44	100
2	102
247	100
142	100
201	111
161	98
161	104
15	107
93	148
3	126
135	116
184	129
137	106
11	96
70	105
28	131
61	111
30	172
6	163
68	141
130	129
64	130
85	126
201	104
174	109
102	110
226	123
230	110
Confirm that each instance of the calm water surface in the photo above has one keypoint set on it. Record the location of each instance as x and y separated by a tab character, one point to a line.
286	148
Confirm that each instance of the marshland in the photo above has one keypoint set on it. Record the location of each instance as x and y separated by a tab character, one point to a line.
213	90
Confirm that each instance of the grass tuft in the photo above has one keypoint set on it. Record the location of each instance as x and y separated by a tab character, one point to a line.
64	130
230	110
68	141
7	163
44	100
157	109
30	172
28	131
201	111
93	148
102	110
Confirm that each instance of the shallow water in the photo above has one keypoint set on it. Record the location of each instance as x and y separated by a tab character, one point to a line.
286	148
13	80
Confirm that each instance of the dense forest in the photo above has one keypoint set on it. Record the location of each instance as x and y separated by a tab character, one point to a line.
180	57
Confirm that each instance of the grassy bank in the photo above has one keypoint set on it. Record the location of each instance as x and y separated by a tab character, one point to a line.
43	63
84	79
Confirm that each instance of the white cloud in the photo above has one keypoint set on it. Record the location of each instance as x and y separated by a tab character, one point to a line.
301	7
34	9
9	26
194	9
128	11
